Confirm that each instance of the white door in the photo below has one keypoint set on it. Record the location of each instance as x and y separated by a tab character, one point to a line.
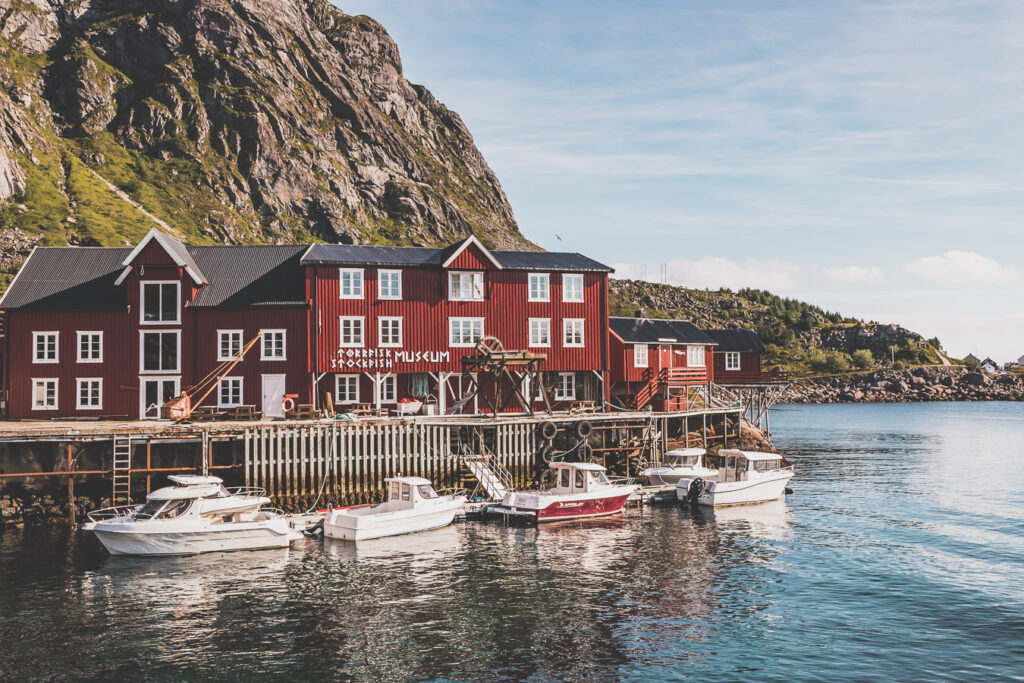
155	392
273	395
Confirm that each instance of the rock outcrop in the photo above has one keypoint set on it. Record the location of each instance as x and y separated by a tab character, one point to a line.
902	386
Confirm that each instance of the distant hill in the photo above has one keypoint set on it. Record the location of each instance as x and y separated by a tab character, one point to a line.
800	337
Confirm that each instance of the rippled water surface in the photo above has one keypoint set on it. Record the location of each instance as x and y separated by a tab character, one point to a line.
899	557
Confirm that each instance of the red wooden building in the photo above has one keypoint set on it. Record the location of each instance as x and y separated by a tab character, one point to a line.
738	357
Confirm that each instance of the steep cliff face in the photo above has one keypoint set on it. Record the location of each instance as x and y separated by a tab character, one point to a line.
231	120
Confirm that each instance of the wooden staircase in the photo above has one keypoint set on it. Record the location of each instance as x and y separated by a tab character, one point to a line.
122	492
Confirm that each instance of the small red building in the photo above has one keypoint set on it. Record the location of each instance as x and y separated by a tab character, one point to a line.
738	355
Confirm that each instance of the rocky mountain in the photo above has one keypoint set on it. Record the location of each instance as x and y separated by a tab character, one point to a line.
230	121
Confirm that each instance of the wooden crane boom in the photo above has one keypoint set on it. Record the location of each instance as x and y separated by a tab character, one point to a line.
180	407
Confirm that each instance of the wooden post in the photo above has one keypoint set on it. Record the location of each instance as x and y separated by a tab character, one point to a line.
149	465
71	487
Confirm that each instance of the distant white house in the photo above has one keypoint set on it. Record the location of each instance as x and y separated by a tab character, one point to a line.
989	365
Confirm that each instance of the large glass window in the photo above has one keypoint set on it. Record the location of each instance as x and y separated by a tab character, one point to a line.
90	393
539	287
44	394
389	284
351	331
229	344
465	331
388	389
160	351
572	287
540	332
160	302
350	284
695	356
732	360
229	392
272	345
572	329
565	387
640	356
44	347
389	331
466	286
347	389
90	347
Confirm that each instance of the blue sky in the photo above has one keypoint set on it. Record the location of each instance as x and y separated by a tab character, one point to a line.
865	156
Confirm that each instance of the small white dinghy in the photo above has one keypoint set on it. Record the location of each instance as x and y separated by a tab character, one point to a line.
197	515
742	478
413	505
678	464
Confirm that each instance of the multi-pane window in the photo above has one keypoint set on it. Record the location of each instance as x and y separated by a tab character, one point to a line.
694	356
572	332
388	389
160	302
350	283
565	387
539	287
90	347
229	344
389	331
347	389
465	331
351	331
160	352
466	286
572	287
389	284
640	356
272	345
45	347
44	394
90	393
540	332
732	360
229	393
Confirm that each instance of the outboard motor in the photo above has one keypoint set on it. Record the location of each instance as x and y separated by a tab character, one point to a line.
693	492
314	530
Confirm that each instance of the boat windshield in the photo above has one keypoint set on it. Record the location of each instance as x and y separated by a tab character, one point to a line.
159	509
149	509
598	478
766	465
685	460
427	491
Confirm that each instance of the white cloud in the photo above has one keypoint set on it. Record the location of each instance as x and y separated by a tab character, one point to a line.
963	268
849	276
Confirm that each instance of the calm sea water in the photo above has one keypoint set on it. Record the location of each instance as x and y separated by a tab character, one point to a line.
899	557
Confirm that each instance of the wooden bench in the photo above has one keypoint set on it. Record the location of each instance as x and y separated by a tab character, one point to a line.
244	413
583	407
305	411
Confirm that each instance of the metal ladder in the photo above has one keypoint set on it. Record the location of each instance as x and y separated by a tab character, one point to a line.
122	493
493	478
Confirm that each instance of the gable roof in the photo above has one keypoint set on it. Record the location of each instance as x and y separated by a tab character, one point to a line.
251	275
658	331
737	340
449	254
359	255
175	249
68	277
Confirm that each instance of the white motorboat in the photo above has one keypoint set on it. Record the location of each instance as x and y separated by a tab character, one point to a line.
581	490
197	515
679	464
742	477
412	505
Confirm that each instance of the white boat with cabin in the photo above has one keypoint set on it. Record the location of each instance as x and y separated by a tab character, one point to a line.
412	506
580	490
679	464
196	515
742	478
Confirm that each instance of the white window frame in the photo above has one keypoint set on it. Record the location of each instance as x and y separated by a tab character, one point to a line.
574	278
732	360
544	295
78	345
637	355
695	357
452	322
284	344
56	347
220	344
78	393
142	353
220	392
397	275
337	389
379	388
56	393
567	326
380	332
149	377
353	273
342	319
142	302
455	291
561	385
541	325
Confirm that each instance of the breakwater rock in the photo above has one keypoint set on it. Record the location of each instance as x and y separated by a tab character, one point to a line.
905	386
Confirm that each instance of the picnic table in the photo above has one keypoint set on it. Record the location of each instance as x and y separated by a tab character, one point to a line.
305	411
583	407
205	413
244	413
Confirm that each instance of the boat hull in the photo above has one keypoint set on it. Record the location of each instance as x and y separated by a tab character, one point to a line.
569	509
721	494
121	539
344	525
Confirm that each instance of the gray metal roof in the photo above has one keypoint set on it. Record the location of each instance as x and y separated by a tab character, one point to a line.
250	275
658	331
737	340
182	251
56	278
358	255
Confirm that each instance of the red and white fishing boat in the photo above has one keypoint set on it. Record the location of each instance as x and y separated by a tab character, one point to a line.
581	490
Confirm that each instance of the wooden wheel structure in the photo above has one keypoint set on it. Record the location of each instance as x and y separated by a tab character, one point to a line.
508	372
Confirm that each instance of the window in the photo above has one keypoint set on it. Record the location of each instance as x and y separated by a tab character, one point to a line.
90	393
577	480
229	344
229	393
572	287
465	331
540	332
90	347
389	284
160	351
565	387
572	332
563	477
44	394
732	360
640	356
45	344
539	287
694	356
350	283
389	331
351	331
466	286
272	345
160	302
388	389
346	389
